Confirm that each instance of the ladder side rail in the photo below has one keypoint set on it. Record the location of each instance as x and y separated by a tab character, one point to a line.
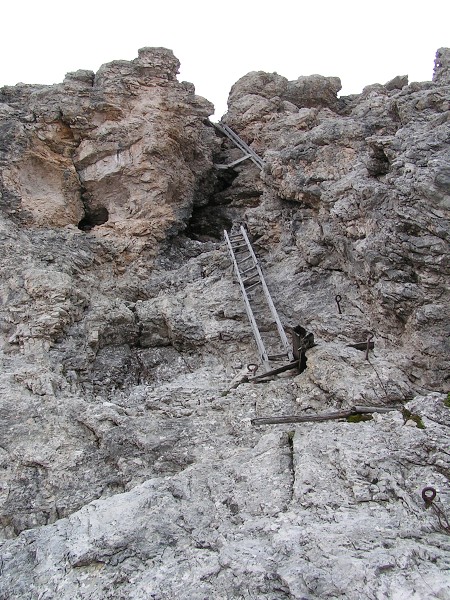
257	161
245	148
273	310
248	308
242	145
236	139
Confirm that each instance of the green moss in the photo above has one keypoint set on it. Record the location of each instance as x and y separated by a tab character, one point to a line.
358	418
409	416
418	421
447	400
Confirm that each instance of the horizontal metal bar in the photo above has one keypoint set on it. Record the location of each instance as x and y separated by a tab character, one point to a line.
355	410
249	287
234	163
251	278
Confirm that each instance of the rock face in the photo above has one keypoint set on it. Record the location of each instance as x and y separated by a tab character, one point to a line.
366	182
130	467
124	148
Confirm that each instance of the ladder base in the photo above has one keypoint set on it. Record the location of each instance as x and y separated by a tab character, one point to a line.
289	367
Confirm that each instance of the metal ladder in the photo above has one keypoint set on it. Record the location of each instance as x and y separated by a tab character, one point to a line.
251	281
248	152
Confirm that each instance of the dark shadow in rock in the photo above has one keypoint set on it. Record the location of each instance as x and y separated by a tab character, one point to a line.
93	217
378	163
207	223
209	220
301	341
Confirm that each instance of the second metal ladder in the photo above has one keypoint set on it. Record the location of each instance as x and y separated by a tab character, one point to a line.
251	281
243	147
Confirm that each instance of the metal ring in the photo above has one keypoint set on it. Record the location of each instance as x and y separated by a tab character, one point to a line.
428	494
252	368
338	297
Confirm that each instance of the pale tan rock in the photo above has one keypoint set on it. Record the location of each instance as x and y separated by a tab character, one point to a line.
128	143
49	189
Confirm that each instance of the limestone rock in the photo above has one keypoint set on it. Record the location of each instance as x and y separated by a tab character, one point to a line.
265	517
314	90
397	83
121	148
130	467
349	167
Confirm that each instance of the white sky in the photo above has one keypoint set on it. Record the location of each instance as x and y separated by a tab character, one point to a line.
217	43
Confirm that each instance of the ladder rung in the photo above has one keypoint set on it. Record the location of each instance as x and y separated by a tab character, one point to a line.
252	286
235	162
278	356
248	269
239	246
244	259
251	278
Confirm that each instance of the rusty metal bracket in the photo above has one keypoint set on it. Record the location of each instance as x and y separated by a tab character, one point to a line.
301	341
292	365
369	340
429	496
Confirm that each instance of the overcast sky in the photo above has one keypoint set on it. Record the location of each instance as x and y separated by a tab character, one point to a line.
360	42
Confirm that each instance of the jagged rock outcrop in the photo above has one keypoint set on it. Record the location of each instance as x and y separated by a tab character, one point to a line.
125	148
442	66
130	467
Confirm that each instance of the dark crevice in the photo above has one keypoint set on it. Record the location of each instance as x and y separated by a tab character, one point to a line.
93	217
207	224
290	436
209	220
378	163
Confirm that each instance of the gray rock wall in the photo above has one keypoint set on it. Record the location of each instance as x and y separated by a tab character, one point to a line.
129	465
364	184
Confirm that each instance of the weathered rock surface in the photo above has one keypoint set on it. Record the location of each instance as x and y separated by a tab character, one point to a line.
314	513
365	185
129	465
125	148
